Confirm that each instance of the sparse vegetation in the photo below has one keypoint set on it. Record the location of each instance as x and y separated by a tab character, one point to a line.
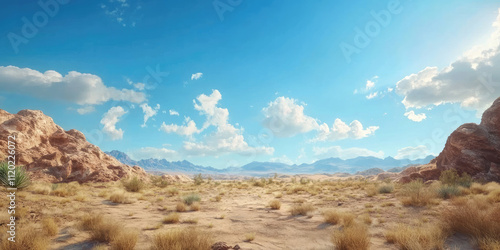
275	204
386	189
172	218
190	199
351	237
180	207
121	197
198	180
301	209
412	237
21	176
416	193
249	237
49	227
133	184
181	239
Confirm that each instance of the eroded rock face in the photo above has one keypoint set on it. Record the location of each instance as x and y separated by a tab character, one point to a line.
55	155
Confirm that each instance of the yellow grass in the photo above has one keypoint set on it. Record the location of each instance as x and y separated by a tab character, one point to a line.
26	238
171	218
301	209
351	237
49	227
417	238
181	207
275	204
121	197
181	239
125	240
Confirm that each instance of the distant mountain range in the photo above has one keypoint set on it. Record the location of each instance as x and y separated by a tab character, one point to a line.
329	166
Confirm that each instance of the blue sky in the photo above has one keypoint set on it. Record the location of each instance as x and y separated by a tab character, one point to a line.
224	83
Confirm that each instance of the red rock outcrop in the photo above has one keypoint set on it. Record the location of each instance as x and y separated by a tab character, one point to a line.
473	149
55	155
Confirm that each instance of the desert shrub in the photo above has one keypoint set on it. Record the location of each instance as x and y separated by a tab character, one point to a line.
65	189
386	189
451	177
90	221
331	216
411	237
304	180
371	191
26	238
172	191
21	176
181	239
190	221
261	183
171	218
41	189
49	227
301	209
180	207
416	193
474	218
249	237
447	191
121	197
195	206
157	181
198	180
189	199
218	198
125	240
133	184
351	237
275	204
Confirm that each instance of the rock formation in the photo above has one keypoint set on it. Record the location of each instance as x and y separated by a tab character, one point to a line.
55	155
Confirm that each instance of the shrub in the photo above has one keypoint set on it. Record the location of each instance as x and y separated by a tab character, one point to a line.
41	189
275	204
189	199
416	194
451	177
125	240
21	176
120	197
26	238
249	237
172	218
411	237
301	209
351	237
181	239
172	191
65	189
90	221
198	180
133	184
332	216
386	189
180	207
447	191
49	227
195	206
157	181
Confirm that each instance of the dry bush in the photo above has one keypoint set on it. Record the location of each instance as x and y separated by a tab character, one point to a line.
180	207
26	238
172	191
190	221
417	194
477	219
386	189
417	238
371	191
133	184
171	218
195	206
218	198
275	204
494	196
352	237
366	219
334	217
301	209
249	237
121	197
125	240
181	239
90	221
65	189
49	227
41	189
106	231
278	195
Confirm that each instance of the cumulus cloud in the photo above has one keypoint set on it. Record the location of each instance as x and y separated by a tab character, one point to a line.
109	121
80	88
188	129
154	153
225	139
415	117
85	110
369	85
173	112
413	153
196	76
149	112
285	118
347	153
473	80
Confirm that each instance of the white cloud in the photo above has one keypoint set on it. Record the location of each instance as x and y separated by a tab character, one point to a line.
285	118
369	84
188	129
123	12
340	130
83	89
415	117
390	89
155	153
173	112
372	95
109	121
148	112
140	86
413	153
348	153
473	81
85	110
196	76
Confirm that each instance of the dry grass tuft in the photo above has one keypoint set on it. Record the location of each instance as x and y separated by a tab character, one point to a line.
275	204
50	227
334	217
125	240
181	239
121	197
195	206
133	184
417	194
171	218
249	237
352	237
180	207
26	238
301	209
418	238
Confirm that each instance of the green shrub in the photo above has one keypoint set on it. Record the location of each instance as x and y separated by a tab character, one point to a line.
159	182
447	191
451	177
386	189
190	199
133	185
198	180
21	178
